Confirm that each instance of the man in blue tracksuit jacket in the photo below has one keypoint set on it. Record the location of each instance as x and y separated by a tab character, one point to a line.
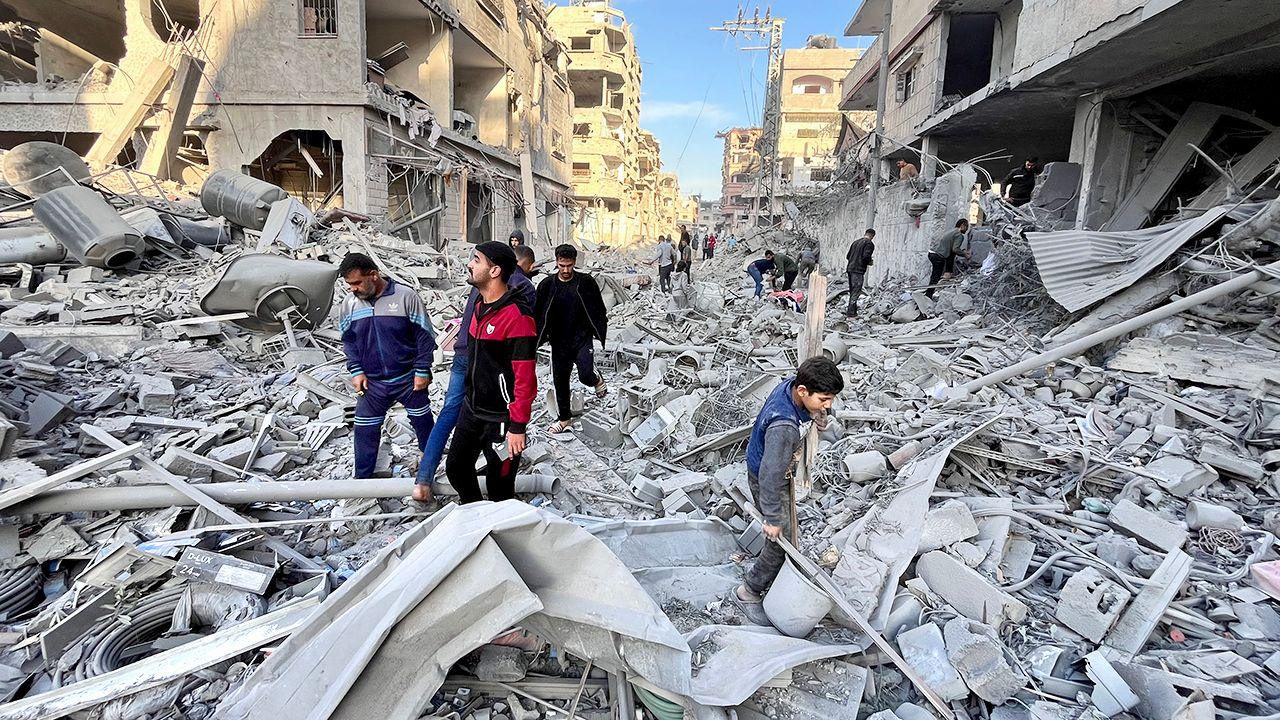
433	453
389	346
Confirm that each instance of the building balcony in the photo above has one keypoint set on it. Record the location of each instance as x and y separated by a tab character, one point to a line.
598	145
594	64
599	186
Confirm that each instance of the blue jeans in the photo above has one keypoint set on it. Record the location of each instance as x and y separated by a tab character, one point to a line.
434	451
754	272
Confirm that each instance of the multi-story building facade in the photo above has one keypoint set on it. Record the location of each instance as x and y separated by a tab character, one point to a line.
616	166
451	120
1100	85
739	178
811	118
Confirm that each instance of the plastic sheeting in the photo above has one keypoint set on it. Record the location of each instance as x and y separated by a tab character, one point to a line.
746	657
380	645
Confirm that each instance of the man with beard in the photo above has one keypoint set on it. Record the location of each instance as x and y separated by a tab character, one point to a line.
500	381
570	313
389	344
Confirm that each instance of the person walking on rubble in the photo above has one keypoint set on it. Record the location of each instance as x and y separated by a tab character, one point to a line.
665	258
757	268
685	264
1019	183
709	246
454	394
942	254
808	263
500	382
857	260
570	314
772	452
389	345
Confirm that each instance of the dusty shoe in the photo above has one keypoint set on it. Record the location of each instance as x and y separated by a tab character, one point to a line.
423	493
601	389
744	594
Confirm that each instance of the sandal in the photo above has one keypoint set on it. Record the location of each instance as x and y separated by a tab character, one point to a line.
601	389
560	427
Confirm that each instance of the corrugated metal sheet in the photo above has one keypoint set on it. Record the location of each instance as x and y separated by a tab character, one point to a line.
1081	267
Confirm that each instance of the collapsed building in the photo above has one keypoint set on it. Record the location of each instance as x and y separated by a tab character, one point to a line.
1048	490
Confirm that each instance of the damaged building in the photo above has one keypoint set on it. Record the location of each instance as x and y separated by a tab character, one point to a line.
449	120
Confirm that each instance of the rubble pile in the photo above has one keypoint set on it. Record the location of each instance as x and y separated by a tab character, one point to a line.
1094	537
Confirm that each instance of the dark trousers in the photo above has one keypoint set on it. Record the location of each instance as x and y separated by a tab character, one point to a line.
789	279
664	277
371	411
856	281
706	253
938	266
563	359
762	572
1019	202
471	437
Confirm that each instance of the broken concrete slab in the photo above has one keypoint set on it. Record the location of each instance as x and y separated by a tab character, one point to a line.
977	654
1089	604
924	650
968	592
1146	527
948	523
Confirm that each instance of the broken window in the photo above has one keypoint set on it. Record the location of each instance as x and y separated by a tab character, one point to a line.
580	43
581	169
969	49
318	18
819	175
307	164
415	199
806	133
582	129
557	144
492	9
479	212
905	85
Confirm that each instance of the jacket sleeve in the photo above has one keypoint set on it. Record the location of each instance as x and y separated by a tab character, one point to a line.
867	251
350	347
522	336
540	307
424	336
594	301
780	442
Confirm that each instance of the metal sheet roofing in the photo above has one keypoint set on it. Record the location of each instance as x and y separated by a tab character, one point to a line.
1081	267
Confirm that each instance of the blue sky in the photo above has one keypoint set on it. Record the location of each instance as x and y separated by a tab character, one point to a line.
685	62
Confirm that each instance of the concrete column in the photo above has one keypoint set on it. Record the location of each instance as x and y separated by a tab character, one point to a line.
1084	147
928	156
436	75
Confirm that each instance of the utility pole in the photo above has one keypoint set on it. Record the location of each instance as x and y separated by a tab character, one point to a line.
883	83
770	28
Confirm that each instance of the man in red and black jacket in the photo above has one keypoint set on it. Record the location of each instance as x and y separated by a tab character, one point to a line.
500	383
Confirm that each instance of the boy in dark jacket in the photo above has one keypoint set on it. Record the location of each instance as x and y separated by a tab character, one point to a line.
772	452
570	314
389	346
500	383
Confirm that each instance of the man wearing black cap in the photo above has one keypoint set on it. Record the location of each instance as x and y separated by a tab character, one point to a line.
501	381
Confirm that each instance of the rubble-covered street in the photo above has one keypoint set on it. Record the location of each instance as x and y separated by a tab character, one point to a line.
1049	488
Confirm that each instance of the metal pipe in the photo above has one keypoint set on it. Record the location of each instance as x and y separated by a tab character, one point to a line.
145	497
29	245
1077	346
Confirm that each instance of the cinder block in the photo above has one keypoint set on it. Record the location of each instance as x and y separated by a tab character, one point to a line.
1146	527
678	502
10	344
603	427
1090	603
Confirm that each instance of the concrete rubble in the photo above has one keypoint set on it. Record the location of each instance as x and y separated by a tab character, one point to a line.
1095	536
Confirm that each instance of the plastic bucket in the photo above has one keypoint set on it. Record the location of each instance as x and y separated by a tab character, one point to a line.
793	604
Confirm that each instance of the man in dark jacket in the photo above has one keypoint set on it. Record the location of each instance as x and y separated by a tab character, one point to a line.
501	381
433	453
857	260
389	345
1019	183
570	314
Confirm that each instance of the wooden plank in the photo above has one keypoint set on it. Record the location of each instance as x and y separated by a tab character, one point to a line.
22	493
144	94
810	346
162	152
202	499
